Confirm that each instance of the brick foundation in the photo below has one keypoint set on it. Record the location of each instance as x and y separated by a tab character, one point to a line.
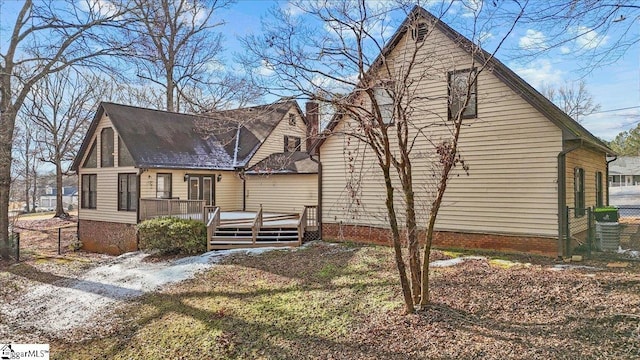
107	237
381	236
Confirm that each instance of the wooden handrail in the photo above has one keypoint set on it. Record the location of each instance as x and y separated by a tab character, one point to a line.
257	224
212	223
302	224
152	208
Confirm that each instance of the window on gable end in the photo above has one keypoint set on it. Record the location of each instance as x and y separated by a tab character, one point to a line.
92	159
419	32
106	147
124	156
292	119
291	143
459	88
385	104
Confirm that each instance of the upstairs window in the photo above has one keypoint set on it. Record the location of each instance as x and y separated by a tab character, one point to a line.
419	32
291	143
124	156
578	191
385	104
92	159
292	119
106	147
459	88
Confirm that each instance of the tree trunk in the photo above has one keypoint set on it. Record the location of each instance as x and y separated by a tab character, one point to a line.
7	125
27	187
170	87
34	193
60	210
412	240
397	247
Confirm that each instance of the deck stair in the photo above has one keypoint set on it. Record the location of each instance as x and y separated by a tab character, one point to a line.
247	229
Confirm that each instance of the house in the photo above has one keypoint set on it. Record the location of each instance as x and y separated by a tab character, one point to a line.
532	169
137	163
69	198
624	171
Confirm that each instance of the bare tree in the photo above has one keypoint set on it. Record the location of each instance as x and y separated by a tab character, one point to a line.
387	118
176	46
27	160
62	106
576	102
46	37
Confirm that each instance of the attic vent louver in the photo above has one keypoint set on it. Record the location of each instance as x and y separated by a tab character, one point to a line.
420	32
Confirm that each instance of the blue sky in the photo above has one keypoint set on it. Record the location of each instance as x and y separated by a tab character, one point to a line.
614	86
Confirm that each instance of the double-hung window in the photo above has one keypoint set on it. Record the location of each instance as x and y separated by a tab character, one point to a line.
463	89
578	191
89	193
127	192
163	186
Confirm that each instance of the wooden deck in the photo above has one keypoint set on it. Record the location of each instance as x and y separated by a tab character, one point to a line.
238	229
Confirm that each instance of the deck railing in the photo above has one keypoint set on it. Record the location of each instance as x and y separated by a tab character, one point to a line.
312	217
257	224
302	224
212	213
184	209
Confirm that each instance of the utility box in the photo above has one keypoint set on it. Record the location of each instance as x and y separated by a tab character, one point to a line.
608	236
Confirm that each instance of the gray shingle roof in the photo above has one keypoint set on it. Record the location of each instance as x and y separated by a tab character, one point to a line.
218	140
297	162
625	165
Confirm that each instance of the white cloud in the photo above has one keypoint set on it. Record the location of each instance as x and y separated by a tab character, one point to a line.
607	125
292	9
539	72
265	68
588	38
485	36
565	50
104	8
533	40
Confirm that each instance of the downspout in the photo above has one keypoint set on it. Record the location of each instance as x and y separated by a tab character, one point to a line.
615	157
319	210
562	193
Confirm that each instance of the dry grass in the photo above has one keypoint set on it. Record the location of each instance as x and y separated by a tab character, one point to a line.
342	302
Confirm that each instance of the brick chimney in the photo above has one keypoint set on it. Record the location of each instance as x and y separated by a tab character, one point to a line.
312	115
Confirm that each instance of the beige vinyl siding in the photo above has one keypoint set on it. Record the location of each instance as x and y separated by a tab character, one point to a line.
511	150
274	143
107	184
228	192
591	161
285	193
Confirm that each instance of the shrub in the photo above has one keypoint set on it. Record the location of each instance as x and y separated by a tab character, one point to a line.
173	236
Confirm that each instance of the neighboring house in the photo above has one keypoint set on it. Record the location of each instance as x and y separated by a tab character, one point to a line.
131	157
528	161
69	198
624	171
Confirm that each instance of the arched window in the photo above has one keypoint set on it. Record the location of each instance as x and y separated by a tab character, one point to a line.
106	147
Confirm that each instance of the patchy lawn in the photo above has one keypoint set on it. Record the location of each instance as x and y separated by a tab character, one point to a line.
342	302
